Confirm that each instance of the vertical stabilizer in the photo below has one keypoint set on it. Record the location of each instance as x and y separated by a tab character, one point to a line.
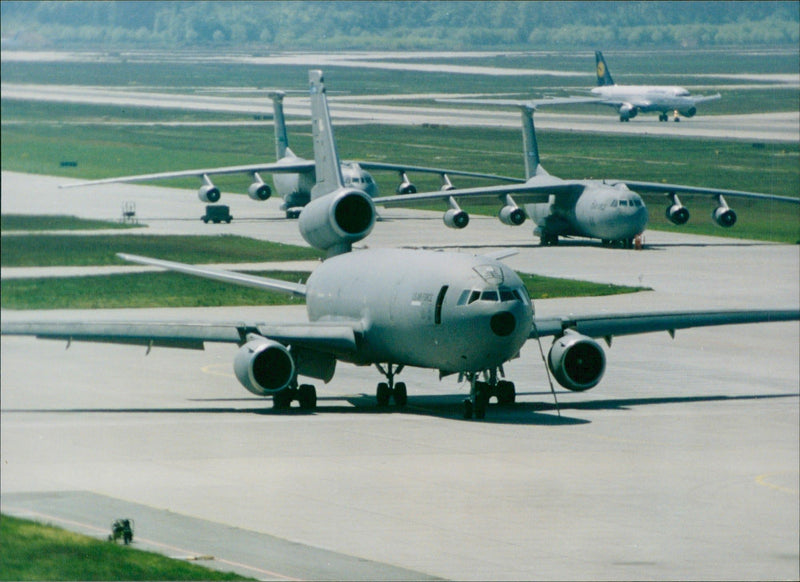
329	173
533	166
603	76
281	138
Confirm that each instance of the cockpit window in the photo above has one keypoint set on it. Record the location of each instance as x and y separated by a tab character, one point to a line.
623	202
489	296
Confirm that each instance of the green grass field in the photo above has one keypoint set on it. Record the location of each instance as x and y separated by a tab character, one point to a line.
32	551
178	290
67	250
17	222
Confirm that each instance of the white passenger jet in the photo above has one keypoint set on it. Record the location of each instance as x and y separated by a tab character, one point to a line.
293	176
630	100
460	314
609	210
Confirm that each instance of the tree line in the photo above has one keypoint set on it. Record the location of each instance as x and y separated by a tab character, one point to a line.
398	25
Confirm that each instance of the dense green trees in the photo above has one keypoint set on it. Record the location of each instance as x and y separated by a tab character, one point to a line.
349	25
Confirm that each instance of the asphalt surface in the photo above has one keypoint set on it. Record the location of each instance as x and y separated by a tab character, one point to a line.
682	463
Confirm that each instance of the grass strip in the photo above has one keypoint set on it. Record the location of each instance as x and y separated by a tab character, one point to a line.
15	222
32	551
179	290
44	250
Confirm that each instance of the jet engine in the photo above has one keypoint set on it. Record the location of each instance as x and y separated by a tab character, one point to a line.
209	193
260	191
456	218
334	221
511	215
678	214
688	112
263	366
577	361
627	112
724	216
406	186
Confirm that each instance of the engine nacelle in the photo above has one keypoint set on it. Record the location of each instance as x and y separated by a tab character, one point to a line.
512	215
335	221
724	216
406	186
456	218
678	214
209	193
264	366
259	191
627	111
690	112
577	361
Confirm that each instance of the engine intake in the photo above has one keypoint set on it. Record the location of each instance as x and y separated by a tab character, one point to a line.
678	214
690	112
406	186
209	193
334	221
264	366
627	112
724	216
512	215
259	191
577	361
456	218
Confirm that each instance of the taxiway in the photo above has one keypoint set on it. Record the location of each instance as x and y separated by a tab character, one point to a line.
682	463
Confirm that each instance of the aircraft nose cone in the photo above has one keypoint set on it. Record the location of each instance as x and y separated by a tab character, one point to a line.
503	324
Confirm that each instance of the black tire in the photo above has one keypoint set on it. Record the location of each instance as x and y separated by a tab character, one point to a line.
467	409
307	396
383	394
400	394
506	393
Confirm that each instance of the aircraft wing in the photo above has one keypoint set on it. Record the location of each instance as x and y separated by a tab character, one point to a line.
333	338
674	188
703	98
531	103
607	325
522	193
426	170
242	279
298	167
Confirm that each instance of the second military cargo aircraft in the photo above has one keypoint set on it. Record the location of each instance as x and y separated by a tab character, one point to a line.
452	312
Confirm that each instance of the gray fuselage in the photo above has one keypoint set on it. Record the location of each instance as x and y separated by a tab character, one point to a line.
452	312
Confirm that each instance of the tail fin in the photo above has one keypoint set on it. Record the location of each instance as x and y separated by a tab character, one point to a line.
281	139
603	76
533	165
329	173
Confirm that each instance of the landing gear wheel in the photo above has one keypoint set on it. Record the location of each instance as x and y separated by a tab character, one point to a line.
400	394
467	409
283	400
383	394
307	396
506	393
482	395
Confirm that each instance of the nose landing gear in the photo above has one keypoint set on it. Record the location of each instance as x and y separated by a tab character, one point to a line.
388	390
482	391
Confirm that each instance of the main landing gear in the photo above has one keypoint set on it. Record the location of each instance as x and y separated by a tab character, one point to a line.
305	394
388	390
482	391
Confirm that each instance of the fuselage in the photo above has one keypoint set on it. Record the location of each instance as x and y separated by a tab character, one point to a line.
604	211
449	311
647	98
295	189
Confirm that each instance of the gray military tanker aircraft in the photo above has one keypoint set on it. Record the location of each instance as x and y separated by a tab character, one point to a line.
391	308
293	176
608	210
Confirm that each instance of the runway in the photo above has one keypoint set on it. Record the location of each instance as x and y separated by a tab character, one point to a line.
682	463
770	127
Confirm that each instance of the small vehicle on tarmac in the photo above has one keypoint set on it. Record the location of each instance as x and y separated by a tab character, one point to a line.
217	213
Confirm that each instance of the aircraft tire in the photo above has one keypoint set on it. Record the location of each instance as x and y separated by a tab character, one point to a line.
506	393
400	394
467	409
383	394
283	399
307	396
